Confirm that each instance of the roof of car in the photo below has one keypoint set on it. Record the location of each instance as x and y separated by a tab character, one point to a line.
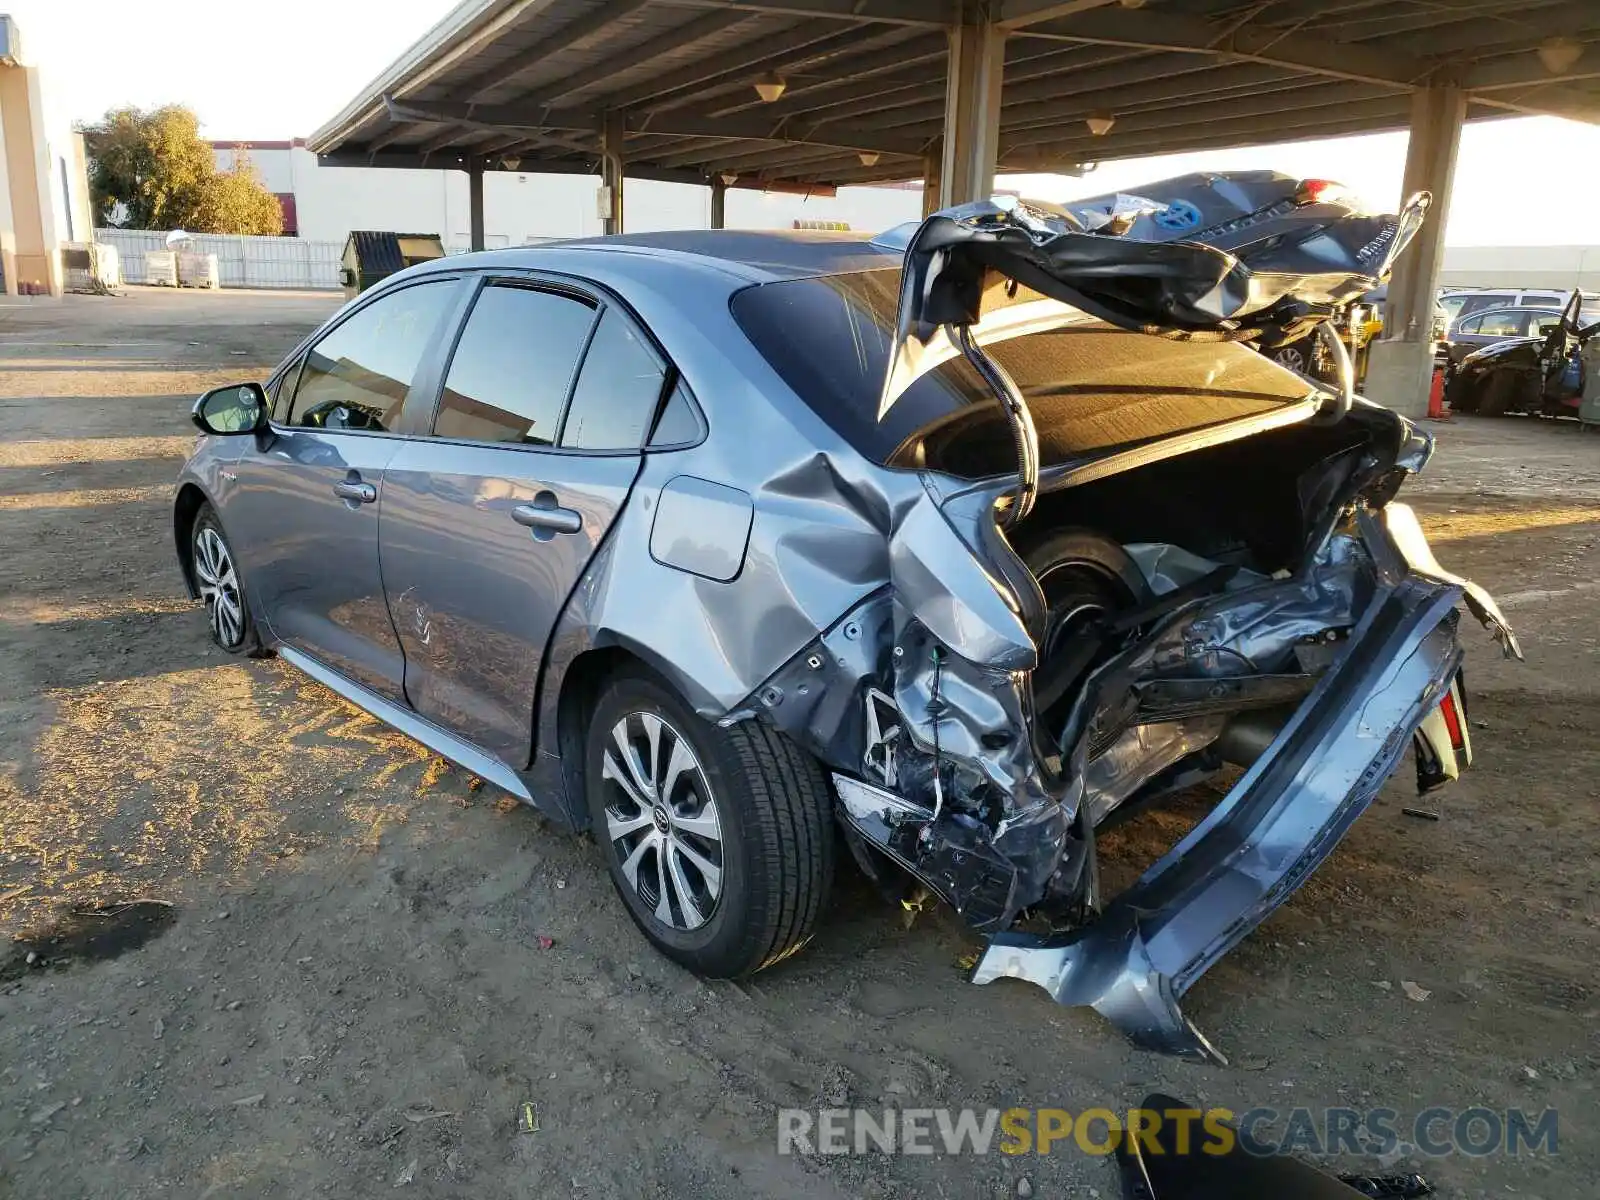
756	255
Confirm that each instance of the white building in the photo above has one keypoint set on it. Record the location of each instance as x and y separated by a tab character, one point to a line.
1522	267
326	203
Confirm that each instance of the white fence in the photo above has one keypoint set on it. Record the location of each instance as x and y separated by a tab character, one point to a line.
252	262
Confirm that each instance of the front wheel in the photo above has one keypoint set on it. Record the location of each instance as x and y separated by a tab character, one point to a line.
1296	356
719	841
1499	394
216	577
1462	393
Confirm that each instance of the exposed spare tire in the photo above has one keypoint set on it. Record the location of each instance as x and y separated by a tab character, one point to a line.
1086	577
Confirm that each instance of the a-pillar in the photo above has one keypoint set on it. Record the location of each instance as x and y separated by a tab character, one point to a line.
1401	361
475	203
612	166
975	71
29	250
719	203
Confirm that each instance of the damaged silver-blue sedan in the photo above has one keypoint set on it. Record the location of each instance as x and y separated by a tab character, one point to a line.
747	550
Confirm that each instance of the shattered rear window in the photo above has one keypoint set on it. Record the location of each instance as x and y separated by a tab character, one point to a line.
1092	388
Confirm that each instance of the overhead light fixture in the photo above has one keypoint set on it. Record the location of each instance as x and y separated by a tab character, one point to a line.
1132	3
869	158
1559	53
770	86
510	162
729	178
1100	122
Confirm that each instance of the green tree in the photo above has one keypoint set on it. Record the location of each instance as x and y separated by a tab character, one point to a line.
151	170
236	201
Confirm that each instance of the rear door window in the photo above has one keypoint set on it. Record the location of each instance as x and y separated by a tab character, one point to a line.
1482	300
618	391
1503	324
513	366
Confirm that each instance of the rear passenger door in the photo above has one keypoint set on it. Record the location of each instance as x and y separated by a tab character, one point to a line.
489	521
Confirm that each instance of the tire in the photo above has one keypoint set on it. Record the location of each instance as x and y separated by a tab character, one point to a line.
1499	392
1085	576
1077	568
216	577
1462	394
1296	356
747	802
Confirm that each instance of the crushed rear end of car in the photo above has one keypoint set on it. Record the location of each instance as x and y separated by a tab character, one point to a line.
1197	568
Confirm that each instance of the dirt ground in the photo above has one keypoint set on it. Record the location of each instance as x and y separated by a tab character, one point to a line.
371	967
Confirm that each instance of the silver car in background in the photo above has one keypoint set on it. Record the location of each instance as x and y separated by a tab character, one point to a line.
744	550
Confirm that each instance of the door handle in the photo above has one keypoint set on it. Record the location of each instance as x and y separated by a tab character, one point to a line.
355	491
549	518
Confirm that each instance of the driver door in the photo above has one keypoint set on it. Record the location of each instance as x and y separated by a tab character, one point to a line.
304	510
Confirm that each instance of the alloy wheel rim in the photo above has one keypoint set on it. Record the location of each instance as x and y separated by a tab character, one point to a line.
219	586
662	820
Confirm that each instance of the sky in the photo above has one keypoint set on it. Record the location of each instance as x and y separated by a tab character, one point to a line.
260	72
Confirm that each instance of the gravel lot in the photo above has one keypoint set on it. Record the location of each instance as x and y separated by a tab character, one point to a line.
372	966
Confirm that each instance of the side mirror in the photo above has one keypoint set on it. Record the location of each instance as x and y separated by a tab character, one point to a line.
237	408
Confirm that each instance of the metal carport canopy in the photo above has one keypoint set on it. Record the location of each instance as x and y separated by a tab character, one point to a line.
878	90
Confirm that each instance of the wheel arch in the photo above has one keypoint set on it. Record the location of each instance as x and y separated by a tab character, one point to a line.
186	506
562	721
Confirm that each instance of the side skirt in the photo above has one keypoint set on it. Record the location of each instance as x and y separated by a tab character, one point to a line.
464	754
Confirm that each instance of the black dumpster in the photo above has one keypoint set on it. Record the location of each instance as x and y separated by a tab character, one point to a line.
372	255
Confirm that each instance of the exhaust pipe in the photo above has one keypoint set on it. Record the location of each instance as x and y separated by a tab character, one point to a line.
1248	735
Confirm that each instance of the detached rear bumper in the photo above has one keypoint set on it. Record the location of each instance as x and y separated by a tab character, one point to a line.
1276	825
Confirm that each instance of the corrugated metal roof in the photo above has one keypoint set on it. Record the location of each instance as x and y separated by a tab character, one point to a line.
524	82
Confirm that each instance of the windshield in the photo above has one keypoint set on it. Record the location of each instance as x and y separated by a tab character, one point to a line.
1092	388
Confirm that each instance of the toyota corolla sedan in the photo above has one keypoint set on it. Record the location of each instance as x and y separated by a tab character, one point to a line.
745	551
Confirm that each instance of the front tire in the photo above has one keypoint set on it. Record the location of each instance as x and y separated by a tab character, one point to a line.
1462	394
719	841
216	578
1296	356
1499	393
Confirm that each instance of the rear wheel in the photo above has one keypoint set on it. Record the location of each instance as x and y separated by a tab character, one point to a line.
719	841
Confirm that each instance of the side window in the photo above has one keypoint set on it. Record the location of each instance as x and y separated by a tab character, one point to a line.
1485	300
678	423
357	377
618	389
1506	324
1468	324
512	368
281	392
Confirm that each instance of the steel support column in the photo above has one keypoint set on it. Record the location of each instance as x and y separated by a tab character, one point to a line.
719	204
973	77
611	171
1402	360
475	204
